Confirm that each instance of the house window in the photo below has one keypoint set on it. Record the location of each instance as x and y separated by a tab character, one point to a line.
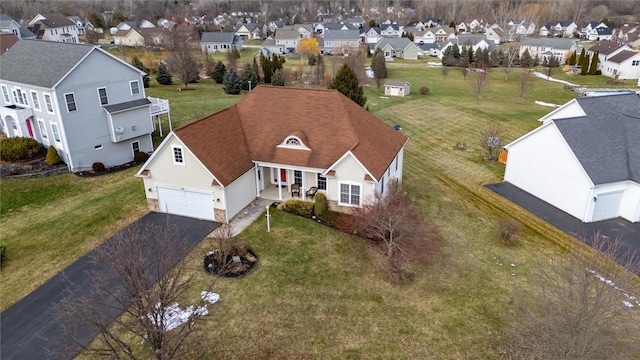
5	94
97	147
71	102
382	186
135	87
178	156
102	93
47	101
43	129
135	147
322	182
349	194
20	97
635	63
13	124
297	177
293	141
396	163
56	132
36	103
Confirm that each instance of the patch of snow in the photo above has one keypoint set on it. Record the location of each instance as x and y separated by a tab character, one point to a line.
543	76
546	104
210	297
175	316
631	301
434	64
384	97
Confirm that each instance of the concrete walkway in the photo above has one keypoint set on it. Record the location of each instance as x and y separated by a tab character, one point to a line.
249	214
29	327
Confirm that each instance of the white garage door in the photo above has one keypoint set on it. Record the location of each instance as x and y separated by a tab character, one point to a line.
394	91
186	203
607	206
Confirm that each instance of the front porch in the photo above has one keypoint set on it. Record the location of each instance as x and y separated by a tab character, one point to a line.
275	183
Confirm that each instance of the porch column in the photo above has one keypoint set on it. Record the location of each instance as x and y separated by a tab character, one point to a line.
257	180
304	185
279	183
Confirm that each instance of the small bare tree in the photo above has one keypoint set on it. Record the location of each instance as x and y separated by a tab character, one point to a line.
445	71
478	83
394	220
183	61
525	82
141	273
491	139
584	307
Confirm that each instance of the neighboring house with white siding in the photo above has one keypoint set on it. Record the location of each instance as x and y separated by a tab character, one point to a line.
217	41
54	27
547	47
584	159
87	103
214	167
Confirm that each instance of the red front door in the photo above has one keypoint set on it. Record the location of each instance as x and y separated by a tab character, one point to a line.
29	128
283	175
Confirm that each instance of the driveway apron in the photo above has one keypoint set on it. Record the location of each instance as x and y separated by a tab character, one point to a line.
29	329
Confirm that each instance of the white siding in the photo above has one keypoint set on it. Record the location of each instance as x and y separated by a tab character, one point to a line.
240	193
629	205
349	170
543	165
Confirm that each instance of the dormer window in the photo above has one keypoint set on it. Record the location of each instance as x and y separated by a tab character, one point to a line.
293	142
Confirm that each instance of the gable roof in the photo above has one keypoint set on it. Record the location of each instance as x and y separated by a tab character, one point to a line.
227	142
218	37
623	56
555	43
470	39
614	120
396	83
55	20
395	43
342	35
605	47
7	41
22	63
604	31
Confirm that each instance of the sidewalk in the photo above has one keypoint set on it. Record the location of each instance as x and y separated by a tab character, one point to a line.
249	214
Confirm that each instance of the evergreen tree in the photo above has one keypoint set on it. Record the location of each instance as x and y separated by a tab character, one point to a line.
267	69
573	58
256	70
277	78
219	70
584	65
138	64
582	56
526	61
248	75
452	24
471	56
312	60
594	64
208	64
164	76
232	84
347	83
455	51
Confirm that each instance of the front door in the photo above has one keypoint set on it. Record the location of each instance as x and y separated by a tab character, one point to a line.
29	127
283	175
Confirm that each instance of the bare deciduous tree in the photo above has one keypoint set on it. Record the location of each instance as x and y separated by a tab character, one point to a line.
491	139
183	61
141	273
525	82
583	308
478	83
394	220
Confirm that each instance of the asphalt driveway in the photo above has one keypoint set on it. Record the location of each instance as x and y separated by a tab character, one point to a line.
29	330
627	232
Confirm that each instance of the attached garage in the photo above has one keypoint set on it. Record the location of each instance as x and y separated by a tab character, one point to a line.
185	202
607	206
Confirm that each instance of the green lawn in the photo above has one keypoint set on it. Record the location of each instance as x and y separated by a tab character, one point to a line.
318	293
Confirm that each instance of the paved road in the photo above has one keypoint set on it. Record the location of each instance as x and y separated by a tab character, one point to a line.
627	232
29	330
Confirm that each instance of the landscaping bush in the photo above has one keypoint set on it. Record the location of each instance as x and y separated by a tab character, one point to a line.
140	156
299	207
18	148
508	229
319	204
424	90
52	156
98	167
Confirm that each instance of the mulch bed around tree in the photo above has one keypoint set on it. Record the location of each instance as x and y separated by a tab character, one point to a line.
32	167
113	169
233	265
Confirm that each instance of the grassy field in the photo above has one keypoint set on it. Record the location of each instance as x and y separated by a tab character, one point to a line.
318	293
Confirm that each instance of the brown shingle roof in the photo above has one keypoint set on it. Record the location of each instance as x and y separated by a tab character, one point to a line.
329	123
622	56
605	47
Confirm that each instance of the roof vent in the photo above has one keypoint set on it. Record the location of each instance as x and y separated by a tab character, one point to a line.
119	130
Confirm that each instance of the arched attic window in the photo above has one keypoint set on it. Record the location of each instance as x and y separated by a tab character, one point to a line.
293	142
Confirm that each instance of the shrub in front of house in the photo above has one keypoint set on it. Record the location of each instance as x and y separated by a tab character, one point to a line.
299	207
424	90
140	156
319	204
52	156
98	167
18	148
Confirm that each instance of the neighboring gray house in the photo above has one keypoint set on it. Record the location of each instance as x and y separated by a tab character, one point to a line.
86	102
339	42
401	48
220	42
269	47
287	41
10	25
